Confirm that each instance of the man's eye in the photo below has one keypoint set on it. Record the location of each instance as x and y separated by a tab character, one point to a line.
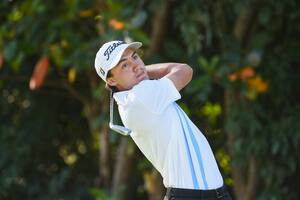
125	65
135	57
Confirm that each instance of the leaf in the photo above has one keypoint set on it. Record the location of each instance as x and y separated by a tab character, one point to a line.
258	84
86	13
215	61
39	74
56	55
72	75
99	194
251	94
233	77
116	24
203	63
198	84
247	72
10	50
211	111
15	15
208	66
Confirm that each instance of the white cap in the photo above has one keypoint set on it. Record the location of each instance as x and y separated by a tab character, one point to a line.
110	54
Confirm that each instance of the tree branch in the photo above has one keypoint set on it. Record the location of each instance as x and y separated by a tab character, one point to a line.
49	83
75	93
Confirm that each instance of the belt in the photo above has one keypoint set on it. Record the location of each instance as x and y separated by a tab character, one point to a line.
201	194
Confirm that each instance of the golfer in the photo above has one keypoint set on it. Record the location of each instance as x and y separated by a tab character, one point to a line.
146	96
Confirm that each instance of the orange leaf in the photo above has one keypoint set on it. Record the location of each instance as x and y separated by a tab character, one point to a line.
252	83
247	72
39	73
85	13
1	59
262	87
232	77
258	84
118	25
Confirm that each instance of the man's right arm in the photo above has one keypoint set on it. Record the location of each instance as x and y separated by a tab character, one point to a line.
180	74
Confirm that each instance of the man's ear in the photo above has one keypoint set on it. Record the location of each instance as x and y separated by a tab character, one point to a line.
111	81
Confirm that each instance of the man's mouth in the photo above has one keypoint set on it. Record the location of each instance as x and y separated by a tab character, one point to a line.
141	76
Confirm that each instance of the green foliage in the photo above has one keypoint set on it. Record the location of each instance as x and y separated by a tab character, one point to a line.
260	125
48	143
100	194
31	141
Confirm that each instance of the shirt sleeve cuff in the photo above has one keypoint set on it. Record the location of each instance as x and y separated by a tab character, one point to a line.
175	93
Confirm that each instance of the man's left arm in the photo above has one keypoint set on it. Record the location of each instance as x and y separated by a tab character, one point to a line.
180	74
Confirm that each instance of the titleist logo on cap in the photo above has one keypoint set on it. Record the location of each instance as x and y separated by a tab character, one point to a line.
111	48
102	71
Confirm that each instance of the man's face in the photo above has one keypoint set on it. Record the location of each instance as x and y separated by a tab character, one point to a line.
129	71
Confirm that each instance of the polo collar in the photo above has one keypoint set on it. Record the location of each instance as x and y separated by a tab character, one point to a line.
121	97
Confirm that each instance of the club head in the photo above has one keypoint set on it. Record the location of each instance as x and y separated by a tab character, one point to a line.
120	129
117	128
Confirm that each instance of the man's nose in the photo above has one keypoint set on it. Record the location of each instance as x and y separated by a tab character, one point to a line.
135	65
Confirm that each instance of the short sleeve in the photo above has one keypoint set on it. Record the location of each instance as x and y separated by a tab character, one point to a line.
156	95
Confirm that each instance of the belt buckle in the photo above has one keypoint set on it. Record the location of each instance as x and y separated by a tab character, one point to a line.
218	194
171	193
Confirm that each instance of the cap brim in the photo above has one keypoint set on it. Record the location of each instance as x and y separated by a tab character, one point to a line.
134	45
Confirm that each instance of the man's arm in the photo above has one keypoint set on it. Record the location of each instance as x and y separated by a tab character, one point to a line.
180	74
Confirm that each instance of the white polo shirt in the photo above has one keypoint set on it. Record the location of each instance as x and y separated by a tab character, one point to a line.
167	137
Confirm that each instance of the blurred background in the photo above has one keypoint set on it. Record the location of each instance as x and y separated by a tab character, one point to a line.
244	96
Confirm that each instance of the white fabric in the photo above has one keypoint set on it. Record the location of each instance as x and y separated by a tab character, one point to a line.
167	137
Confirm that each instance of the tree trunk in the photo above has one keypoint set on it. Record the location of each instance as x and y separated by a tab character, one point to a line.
245	178
105	166
154	185
92	110
126	156
160	19
246	21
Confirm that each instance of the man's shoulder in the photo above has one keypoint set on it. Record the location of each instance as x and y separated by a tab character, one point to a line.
149	84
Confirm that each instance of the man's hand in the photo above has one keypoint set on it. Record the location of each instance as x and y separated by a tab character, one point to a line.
180	74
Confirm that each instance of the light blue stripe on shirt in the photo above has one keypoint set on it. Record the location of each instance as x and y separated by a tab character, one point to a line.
195	181
196	148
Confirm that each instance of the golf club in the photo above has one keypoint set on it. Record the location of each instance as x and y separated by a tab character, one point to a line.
117	128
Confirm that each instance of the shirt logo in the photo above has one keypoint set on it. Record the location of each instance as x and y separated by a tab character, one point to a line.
111	48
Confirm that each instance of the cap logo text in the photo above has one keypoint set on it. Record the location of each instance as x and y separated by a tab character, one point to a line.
111	48
102	71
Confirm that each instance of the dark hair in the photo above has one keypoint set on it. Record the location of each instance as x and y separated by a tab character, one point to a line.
109	87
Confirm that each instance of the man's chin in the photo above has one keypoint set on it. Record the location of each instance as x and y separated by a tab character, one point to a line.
139	81
142	77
